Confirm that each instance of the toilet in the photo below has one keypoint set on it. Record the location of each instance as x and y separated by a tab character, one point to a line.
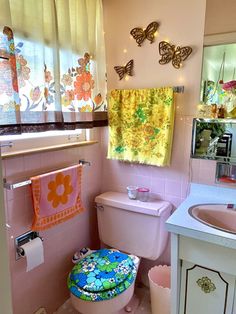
102	282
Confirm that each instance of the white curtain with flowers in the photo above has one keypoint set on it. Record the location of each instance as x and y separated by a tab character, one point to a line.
60	62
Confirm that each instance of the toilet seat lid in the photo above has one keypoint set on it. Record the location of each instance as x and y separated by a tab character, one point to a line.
103	270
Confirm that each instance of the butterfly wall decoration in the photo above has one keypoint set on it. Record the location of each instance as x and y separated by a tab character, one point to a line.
123	70
140	34
172	53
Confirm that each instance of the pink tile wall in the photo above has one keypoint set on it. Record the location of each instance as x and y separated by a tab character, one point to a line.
168	183
185	28
46	285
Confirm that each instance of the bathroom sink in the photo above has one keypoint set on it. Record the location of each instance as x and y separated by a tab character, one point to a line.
217	216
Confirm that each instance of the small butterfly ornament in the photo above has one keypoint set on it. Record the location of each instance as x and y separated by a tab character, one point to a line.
172	53
140	34
123	70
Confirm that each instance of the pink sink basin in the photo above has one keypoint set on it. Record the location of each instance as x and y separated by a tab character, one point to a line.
216	216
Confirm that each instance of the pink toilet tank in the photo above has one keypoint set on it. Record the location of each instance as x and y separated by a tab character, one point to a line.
133	226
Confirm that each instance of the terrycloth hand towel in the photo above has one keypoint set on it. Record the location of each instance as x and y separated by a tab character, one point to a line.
56	197
141	125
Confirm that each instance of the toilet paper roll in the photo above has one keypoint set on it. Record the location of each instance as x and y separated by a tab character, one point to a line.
33	252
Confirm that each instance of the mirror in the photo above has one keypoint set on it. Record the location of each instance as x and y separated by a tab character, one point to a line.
214	139
219	68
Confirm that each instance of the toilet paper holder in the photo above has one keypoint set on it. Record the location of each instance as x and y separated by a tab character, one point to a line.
23	239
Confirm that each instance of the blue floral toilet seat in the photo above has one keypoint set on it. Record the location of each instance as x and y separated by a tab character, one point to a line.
102	275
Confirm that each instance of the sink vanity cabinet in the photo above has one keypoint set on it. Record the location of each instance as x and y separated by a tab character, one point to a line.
207	278
203	253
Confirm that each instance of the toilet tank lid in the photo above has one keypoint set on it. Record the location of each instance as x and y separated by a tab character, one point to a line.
153	207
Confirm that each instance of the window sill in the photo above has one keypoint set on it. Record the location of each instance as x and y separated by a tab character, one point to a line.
46	149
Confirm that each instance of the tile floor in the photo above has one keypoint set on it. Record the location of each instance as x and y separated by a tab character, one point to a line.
141	307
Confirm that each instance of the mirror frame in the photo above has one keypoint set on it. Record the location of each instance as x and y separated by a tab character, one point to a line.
219	39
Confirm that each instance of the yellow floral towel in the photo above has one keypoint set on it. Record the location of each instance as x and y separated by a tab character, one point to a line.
141	125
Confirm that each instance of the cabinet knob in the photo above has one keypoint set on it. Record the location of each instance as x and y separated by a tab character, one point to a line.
206	284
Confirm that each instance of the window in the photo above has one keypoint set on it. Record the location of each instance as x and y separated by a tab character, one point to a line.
41	140
55	51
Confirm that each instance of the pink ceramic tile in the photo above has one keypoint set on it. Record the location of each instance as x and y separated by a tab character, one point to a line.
135	169
50	159
14	167
158	185
3	168
158	196
207	167
174	174
114	188
175	201
173	188
207	164
60	242
185	188
17	193
194	170
32	164
16	209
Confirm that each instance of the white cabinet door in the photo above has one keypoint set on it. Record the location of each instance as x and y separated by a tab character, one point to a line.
205	291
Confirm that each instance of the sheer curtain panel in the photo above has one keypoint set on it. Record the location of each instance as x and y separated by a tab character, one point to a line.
52	64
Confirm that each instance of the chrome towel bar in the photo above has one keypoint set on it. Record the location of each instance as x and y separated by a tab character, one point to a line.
178	89
12	186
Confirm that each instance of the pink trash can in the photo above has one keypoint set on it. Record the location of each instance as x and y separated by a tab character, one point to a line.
159	281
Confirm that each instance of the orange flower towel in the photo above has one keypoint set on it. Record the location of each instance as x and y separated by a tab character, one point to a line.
56	197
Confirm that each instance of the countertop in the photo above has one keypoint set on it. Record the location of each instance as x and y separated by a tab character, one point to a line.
180	222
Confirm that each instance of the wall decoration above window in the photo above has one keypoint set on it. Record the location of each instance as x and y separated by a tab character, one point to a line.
140	34
172	53
123	70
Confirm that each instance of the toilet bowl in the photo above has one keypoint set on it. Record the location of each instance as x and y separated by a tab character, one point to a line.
103	281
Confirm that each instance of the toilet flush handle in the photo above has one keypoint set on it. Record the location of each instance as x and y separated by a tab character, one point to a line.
100	207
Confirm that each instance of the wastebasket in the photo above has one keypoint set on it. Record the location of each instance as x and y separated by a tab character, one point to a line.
159	281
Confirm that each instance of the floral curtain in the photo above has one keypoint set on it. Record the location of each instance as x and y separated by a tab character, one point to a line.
53	75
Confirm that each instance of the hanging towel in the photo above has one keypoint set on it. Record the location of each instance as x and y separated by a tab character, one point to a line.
141	124
56	197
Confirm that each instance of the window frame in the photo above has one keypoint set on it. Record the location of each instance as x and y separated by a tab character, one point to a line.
42	140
